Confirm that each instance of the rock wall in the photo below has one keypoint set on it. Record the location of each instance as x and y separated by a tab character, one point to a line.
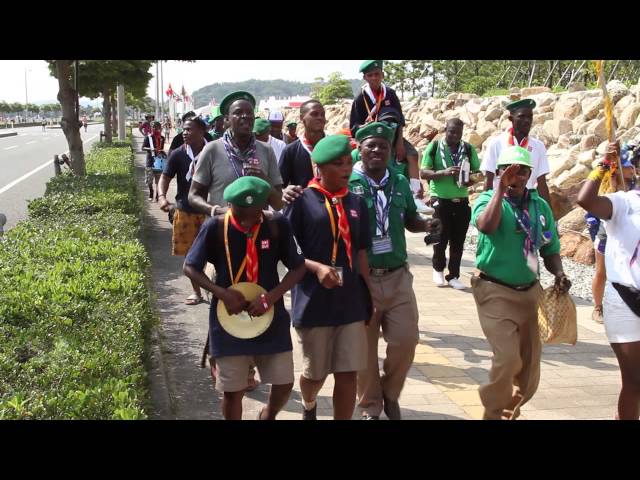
571	125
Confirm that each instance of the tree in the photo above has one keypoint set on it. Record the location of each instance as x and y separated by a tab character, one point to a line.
67	96
336	88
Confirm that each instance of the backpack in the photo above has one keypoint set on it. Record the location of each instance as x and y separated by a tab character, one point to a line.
467	152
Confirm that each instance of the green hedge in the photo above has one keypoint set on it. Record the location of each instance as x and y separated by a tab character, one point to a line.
74	302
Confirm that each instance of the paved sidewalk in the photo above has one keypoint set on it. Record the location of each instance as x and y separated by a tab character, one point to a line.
452	359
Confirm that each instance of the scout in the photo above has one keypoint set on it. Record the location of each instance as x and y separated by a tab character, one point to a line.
245	245
375	95
217	123
442	165
521	117
391	208
290	135
514	223
262	129
295	164
332	303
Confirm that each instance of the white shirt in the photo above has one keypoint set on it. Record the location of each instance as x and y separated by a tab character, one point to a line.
277	145
538	158
623	238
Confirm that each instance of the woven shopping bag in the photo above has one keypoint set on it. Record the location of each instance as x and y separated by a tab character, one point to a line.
557	317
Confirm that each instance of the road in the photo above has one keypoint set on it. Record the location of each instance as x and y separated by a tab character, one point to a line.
26	164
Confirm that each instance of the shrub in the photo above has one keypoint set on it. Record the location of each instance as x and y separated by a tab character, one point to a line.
74	304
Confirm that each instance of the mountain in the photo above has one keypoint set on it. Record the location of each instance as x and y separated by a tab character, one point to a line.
259	89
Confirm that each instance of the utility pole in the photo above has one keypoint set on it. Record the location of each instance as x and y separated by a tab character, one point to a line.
157	90
161	90
26	96
121	113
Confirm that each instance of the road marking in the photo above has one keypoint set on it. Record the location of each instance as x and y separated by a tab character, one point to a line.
29	143
35	170
12	146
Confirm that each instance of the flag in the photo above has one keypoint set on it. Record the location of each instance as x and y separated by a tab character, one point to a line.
169	91
183	92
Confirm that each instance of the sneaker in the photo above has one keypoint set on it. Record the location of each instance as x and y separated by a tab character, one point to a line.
596	316
457	284
438	279
309	414
366	416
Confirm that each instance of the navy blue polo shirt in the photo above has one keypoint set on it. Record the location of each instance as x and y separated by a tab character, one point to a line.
178	164
312	304
295	165
275	243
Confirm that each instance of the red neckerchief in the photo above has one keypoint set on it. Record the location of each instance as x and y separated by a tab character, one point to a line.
251	251
157	141
343	222
513	141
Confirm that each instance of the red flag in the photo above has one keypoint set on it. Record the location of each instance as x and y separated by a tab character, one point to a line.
169	91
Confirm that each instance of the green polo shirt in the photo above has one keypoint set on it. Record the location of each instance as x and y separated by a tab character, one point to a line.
500	254
402	206
446	187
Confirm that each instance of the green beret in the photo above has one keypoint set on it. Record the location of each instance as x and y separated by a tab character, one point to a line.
330	148
261	126
514	154
525	102
248	191
368	65
232	97
292	124
216	113
375	129
355	156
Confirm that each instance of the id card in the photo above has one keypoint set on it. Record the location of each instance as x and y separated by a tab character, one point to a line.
381	244
339	271
532	262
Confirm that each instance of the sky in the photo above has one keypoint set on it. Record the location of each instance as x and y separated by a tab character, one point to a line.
42	87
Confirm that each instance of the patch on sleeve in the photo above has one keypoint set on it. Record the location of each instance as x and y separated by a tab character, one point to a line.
354	213
264	244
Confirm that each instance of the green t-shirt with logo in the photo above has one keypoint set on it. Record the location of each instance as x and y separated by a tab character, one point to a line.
501	253
402	207
446	187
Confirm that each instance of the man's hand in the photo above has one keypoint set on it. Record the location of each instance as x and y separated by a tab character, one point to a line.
291	194
165	205
433	225
452	171
328	276
611	155
509	176
562	283
256	308
234	301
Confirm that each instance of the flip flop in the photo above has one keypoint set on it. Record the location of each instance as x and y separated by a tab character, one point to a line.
194	299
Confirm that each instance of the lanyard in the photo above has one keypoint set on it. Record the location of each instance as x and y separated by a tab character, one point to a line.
376	109
382	214
228	254
334	232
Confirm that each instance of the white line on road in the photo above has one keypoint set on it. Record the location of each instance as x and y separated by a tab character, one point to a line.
34	171
29	143
12	146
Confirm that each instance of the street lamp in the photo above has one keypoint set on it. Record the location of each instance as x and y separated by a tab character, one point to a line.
26	96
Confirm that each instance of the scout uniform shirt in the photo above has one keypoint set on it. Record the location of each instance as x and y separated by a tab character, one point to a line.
501	253
274	243
295	165
447	187
400	207
362	105
312	305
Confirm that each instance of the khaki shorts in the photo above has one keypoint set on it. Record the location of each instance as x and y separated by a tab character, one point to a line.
185	230
328	350
233	370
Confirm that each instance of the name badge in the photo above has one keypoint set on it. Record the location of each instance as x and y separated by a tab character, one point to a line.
340	272
381	244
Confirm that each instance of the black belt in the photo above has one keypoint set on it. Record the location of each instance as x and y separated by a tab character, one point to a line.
455	200
378	272
519	288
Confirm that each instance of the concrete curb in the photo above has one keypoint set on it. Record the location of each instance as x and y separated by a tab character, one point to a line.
12	134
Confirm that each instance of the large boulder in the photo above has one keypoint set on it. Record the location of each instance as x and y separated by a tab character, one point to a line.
485	129
629	116
598	128
543	99
584	253
569	178
573	221
493	113
622	105
577	122
587	157
530	91
560	160
540	118
473	138
569	243
556	127
568	108
616	90
630	134
588	142
560	203
591	106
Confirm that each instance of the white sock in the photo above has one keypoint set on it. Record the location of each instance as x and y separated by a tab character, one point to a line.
308	405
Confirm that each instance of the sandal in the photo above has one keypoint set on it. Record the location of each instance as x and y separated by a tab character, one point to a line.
194	299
